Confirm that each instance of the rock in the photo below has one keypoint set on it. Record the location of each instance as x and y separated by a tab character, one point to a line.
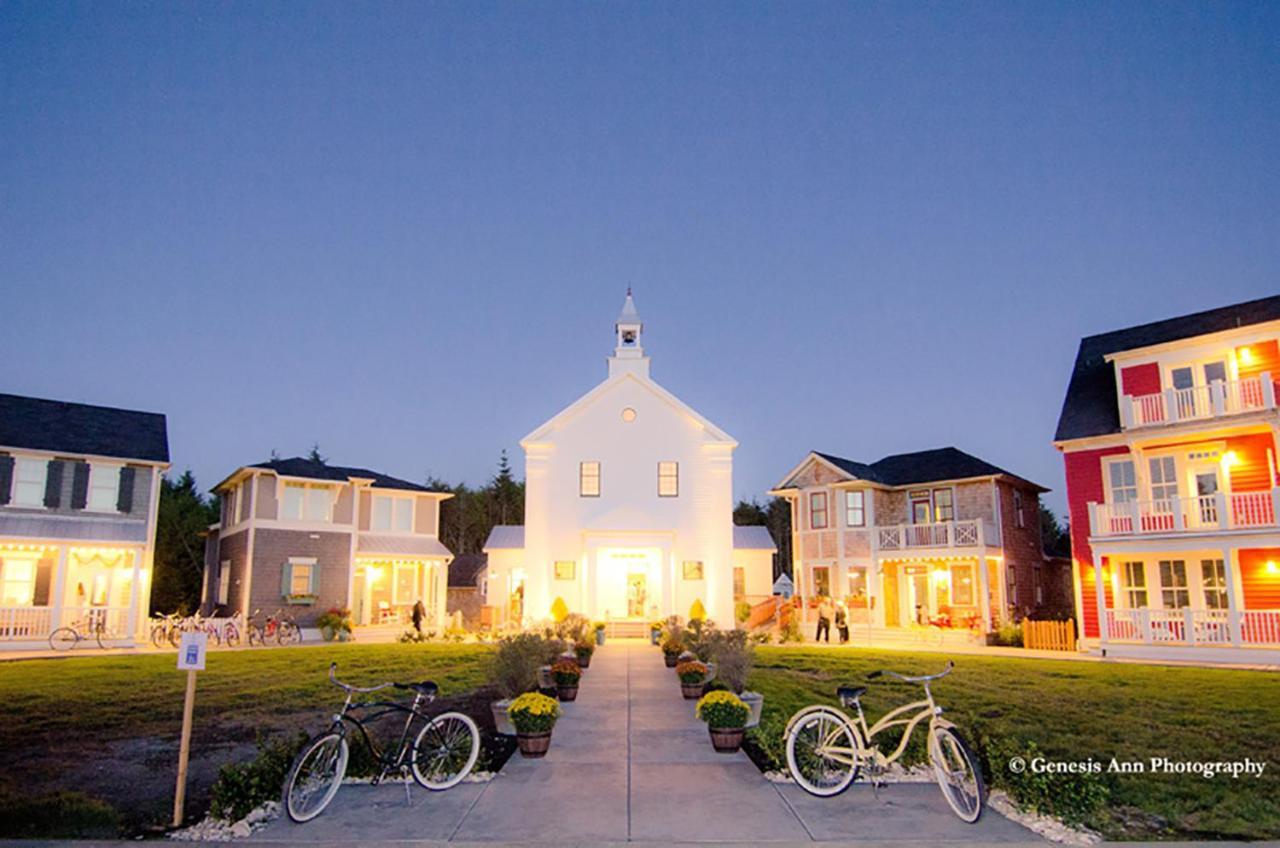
241	829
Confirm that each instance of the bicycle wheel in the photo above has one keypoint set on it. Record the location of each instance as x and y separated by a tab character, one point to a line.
158	637
315	777
231	635
445	751
99	631
63	639
288	633
823	753
255	636
958	774
175	636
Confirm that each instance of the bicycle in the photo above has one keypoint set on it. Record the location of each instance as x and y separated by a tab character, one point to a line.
278	627
163	630
826	748
92	626
440	756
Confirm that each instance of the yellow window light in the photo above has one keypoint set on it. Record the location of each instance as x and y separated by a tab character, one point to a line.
1246	355
1230	459
1272	568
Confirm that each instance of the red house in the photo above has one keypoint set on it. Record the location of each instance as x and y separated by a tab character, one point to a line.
1169	435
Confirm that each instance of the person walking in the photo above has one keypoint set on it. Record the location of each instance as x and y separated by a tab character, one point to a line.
419	613
823	633
842	622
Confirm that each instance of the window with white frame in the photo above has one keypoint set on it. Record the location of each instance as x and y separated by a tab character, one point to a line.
392	513
229	506
944	507
566	569
300	577
17	581
224	582
1174	592
817	510
589	479
242	500
1122	481
855	509
1133	575
306	502
28	481
1019	516
668	479
1213	578
104	487
1164	478
1038	578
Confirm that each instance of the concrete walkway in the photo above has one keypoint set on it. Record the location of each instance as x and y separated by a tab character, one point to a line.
629	762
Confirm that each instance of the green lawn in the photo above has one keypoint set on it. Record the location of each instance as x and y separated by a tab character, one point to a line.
1079	710
86	723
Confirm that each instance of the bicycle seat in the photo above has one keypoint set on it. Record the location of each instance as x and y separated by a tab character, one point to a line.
426	688
850	694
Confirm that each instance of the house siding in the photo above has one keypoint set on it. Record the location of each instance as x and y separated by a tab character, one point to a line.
1084	484
272	549
1022	546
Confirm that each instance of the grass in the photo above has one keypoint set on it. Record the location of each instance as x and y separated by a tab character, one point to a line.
1079	711
63	715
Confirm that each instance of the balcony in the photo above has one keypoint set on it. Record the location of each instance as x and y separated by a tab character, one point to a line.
969	533
1199	403
1202	514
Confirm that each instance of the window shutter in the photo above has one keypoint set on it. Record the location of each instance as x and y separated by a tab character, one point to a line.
124	501
286	575
311	578
6	477
80	486
53	484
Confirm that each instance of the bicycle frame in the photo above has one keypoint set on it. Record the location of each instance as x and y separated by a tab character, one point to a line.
382	708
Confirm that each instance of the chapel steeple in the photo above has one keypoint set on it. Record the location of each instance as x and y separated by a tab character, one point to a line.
628	354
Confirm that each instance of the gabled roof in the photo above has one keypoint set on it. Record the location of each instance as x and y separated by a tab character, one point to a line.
909	469
79	428
1090	407
505	537
753	538
465	569
581	403
309	469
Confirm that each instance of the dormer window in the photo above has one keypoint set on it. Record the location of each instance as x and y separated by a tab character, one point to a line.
29	481
306	502
392	513
104	487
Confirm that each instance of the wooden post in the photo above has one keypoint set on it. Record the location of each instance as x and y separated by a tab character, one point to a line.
184	748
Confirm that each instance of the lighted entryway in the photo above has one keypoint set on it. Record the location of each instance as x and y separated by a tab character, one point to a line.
628	582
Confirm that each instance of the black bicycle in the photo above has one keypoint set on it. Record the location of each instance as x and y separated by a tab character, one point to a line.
439	757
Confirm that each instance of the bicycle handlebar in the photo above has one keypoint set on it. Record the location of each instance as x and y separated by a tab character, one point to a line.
921	679
333	678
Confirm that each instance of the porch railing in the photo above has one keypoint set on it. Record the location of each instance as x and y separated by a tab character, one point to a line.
1219	511
1199	402
943	534
27	624
1194	626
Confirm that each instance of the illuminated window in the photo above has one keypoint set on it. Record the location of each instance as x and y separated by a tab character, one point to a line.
962	584
817	510
300	577
1164	478
855	512
17	582
589	479
739	581
104	487
391	513
1122	481
822	580
566	569
1134	577
1214	578
857	583
1173	584
668	479
404	583
944	508
28	481
692	569
98	597
224	582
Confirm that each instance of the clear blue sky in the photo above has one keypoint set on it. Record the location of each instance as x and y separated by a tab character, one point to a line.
403	231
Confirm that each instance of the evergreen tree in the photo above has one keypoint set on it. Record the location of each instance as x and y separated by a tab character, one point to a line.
184	516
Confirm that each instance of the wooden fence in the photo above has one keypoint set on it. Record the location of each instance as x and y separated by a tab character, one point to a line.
1049	635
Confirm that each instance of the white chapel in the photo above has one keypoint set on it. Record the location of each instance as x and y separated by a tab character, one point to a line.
628	508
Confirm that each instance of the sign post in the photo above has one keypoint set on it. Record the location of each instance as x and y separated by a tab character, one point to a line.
191	653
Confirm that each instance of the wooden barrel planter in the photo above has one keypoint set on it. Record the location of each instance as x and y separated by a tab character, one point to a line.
535	745
670	659
726	740
567	693
691	691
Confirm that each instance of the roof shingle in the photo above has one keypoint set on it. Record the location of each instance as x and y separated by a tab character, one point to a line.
310	469
80	428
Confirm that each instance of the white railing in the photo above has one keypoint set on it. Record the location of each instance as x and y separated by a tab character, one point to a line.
972	532
1199	402
1220	511
1194	626
25	623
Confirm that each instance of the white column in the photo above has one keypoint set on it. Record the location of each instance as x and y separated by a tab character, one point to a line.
137	621
1230	569
1101	592
59	588
442	591
984	594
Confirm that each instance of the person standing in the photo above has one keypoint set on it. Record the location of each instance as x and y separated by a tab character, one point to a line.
824	621
419	613
842	622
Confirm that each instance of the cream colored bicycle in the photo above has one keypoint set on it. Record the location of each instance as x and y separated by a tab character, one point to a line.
826	748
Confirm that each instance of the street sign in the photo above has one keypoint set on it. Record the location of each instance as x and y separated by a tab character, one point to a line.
191	651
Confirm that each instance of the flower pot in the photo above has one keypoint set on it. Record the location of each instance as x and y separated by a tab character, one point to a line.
653	636
691	691
670	660
584	661
567	693
327	633
501	721
534	745
726	740
755	701
600	637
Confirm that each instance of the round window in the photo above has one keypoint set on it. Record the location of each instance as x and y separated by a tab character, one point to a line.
628	415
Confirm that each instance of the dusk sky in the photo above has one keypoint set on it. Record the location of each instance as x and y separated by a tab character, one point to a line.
403	231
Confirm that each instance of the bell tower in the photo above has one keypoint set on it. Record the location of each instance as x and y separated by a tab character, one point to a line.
628	354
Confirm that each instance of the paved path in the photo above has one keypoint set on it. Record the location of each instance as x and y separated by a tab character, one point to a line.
630	762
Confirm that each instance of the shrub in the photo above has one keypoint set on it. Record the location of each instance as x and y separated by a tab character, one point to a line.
336	618
515	664
559	610
697	638
672	646
583	650
697	612
741	611
691	672
574	627
56	815
534	713
598	626
734	655
790	632
566	673
455	634
1074	798
1009	634
243	787
769	741
723	710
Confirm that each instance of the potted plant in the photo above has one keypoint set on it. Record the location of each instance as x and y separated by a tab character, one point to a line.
566	675
534	715
583	651
726	718
599	625
671	650
335	623
514	670
655	632
693	675
733	653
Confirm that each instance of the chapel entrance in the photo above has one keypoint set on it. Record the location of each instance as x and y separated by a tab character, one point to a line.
636	594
